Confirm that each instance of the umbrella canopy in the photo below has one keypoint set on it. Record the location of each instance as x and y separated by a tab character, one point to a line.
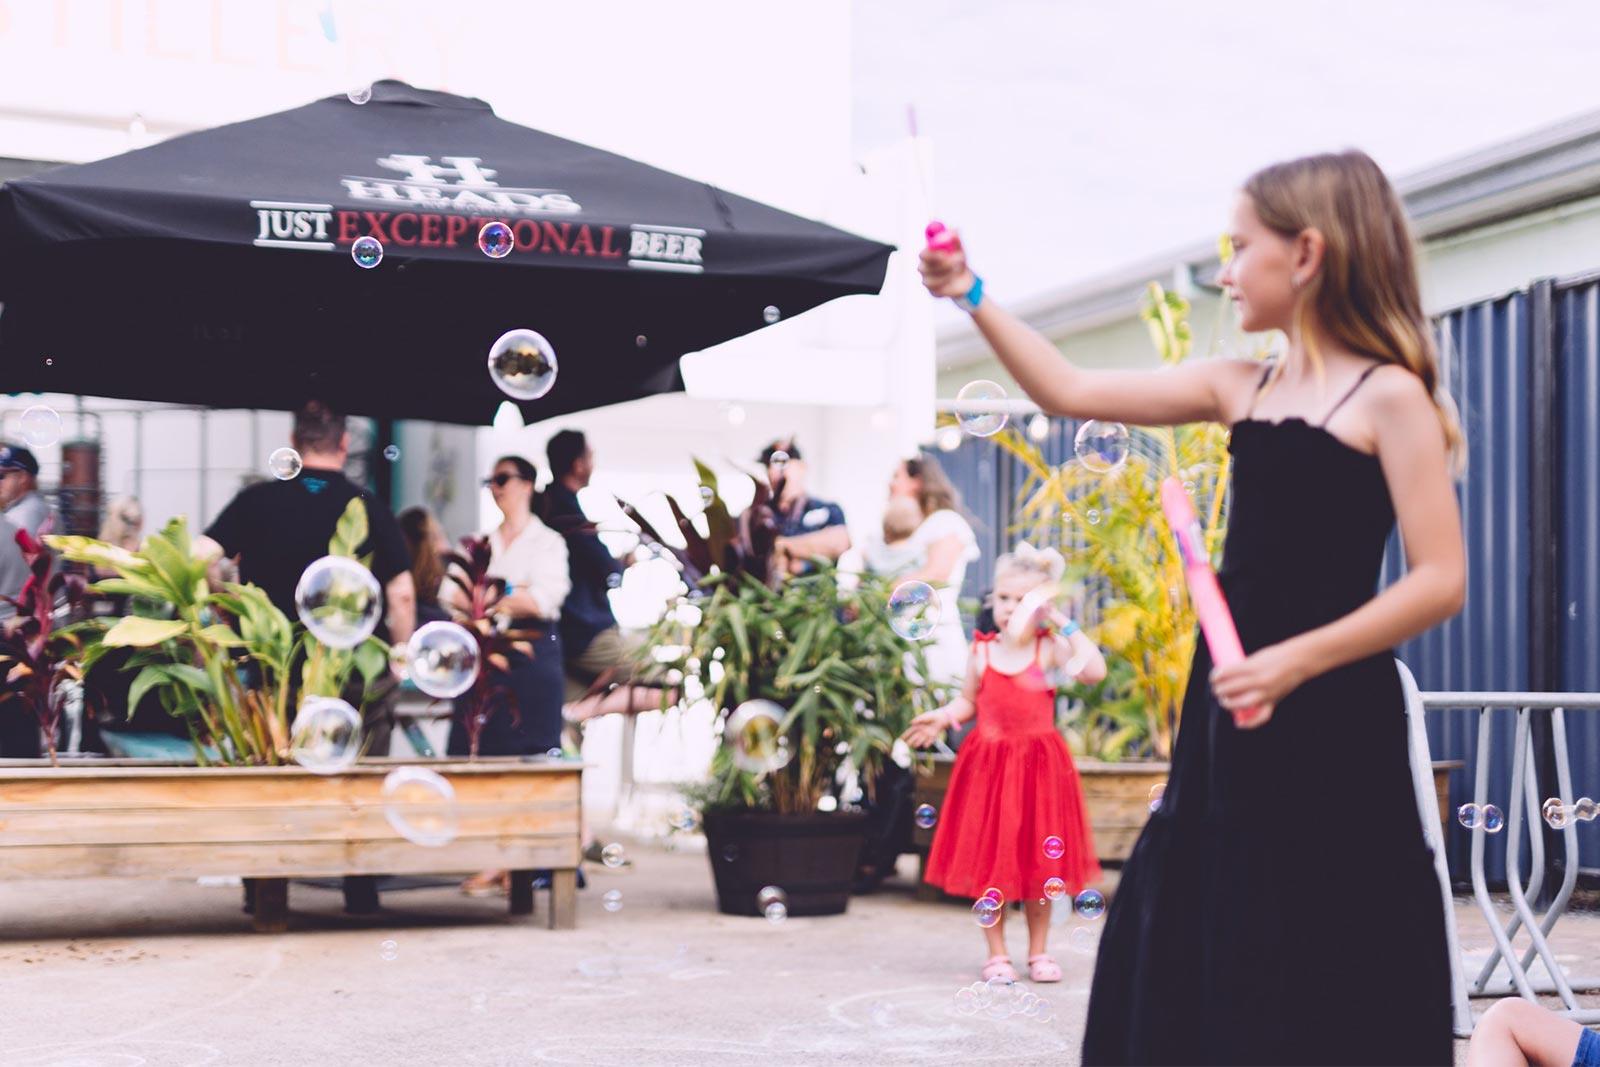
216	268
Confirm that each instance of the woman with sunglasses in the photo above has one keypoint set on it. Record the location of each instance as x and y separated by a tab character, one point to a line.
532	560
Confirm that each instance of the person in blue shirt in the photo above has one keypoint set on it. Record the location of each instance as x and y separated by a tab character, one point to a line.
601	660
808	527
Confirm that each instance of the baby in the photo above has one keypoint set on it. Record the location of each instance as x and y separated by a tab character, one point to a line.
895	554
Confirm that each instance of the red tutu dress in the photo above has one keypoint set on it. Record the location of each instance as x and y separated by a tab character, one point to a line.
1013	786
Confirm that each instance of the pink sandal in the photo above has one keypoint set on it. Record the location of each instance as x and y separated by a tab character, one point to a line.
999	967
1044	968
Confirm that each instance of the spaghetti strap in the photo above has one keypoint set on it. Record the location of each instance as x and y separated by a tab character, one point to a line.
1266	372
1349	393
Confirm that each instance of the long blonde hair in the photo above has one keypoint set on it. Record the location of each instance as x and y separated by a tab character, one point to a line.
1366	297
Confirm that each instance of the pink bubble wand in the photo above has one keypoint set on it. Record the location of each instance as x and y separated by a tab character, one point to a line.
1210	606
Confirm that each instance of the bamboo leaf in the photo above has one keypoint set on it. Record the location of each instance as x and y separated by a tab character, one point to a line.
134	631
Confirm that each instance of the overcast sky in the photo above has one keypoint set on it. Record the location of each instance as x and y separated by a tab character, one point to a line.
1072	137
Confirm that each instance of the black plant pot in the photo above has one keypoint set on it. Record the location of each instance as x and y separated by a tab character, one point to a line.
812	858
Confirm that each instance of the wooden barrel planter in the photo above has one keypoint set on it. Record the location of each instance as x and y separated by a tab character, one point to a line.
138	819
1118	798
812	858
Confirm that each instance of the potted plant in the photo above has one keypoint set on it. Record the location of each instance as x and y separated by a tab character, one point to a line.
221	660
823	652
39	670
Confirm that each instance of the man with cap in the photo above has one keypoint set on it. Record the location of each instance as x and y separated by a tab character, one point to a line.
19	490
807	527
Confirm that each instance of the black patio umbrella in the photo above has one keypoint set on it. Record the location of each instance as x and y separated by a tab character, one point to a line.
216	268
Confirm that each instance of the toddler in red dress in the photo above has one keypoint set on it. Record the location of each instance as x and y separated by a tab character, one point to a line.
1014	821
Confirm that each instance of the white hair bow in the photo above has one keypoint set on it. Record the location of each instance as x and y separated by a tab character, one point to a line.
1047	558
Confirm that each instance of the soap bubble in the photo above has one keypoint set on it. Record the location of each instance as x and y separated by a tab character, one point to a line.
985	912
41	426
1092	516
613	855
827	802
523	364
420	805
360	94
754	735
339	601
284	463
1494	820
913	610
389	951
326	737
770	314
1583	809
1102	447
926	816
1090	904
682	818
1557	814
367	252
612	901
442	659
391	452
774	903
1054	847
993	894
495	241
1470	816
613	581
778	459
1157	793
981	424
1054	888
641	341
1081	939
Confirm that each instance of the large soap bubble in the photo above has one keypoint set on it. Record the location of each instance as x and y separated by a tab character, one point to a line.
339	601
442	659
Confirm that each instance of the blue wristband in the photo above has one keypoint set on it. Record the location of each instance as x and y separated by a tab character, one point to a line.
974	296
1070	628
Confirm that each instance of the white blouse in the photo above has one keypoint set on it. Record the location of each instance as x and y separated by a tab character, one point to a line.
535	562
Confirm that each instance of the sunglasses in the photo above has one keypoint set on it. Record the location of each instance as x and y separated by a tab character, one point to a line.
502	479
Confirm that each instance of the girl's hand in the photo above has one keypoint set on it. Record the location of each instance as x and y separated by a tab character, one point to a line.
1258	682
945	272
926	728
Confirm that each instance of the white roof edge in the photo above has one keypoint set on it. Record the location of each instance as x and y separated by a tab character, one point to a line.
1552	165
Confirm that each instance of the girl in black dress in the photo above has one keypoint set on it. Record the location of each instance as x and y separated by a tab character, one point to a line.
1281	905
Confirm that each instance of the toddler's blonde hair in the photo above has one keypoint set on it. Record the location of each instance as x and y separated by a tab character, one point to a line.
1045	563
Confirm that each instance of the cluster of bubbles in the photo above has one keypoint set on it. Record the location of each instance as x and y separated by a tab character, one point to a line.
420	805
754	734
1488	818
284	463
1560	815
41	425
913	610
1101	447
981	423
986	910
926	815
774	904
523	364
1001	998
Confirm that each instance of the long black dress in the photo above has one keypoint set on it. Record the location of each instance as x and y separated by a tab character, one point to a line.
1281	905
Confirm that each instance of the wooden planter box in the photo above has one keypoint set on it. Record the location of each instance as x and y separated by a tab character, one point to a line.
135	819
1118	797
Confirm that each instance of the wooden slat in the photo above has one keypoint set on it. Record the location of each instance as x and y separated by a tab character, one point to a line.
299	859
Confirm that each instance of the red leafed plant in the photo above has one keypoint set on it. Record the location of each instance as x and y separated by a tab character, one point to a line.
36	658
491	692
734	546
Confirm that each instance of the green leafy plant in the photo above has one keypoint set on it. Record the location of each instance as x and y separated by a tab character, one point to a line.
221	660
1115	537
819	647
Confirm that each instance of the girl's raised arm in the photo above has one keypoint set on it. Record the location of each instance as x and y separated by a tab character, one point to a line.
1206	390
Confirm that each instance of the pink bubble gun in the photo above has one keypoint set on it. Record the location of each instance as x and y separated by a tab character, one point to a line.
940	237
1210	606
